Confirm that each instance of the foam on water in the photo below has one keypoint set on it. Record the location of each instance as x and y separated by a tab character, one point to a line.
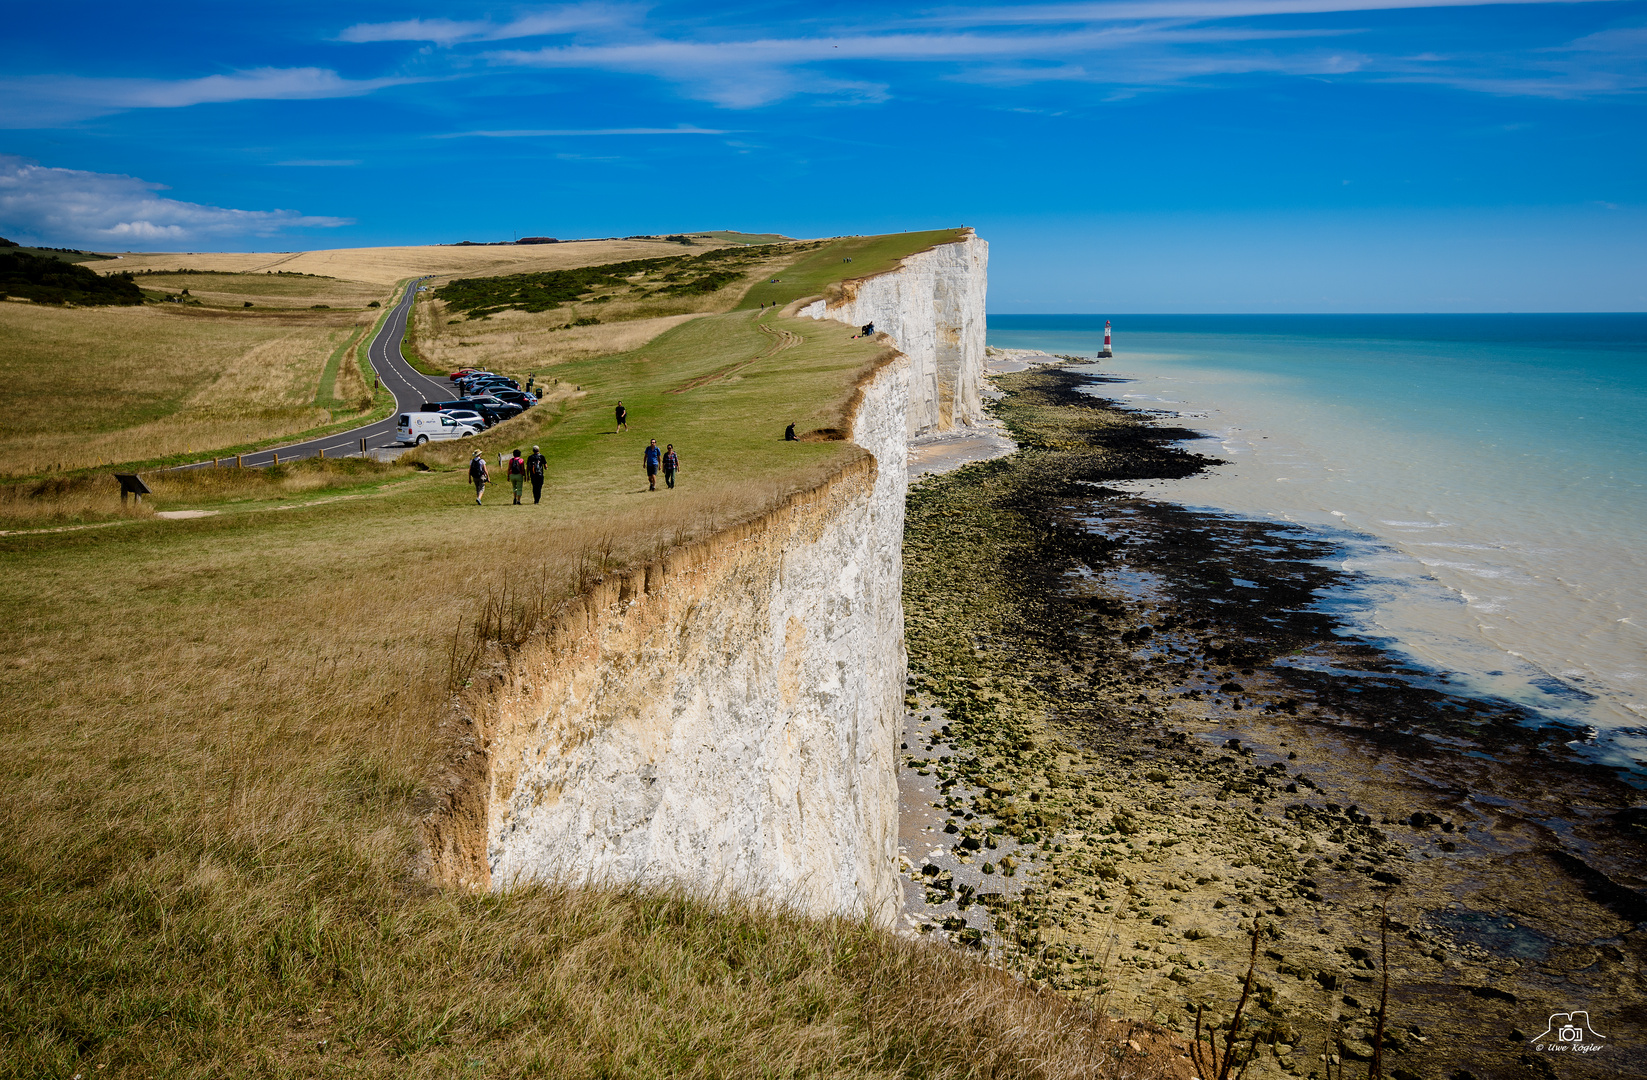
1485	477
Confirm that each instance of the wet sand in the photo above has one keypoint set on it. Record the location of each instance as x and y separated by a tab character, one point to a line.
1157	741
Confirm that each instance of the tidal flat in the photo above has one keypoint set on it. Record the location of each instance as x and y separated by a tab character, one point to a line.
1138	734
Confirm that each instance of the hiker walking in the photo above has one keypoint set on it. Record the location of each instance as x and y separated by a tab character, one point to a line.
623	417
671	464
654	457
517	474
478	473
535	466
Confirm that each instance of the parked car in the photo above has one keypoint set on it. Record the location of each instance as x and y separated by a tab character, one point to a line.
483	382
482	409
463	373
516	397
483	398
415	429
468	416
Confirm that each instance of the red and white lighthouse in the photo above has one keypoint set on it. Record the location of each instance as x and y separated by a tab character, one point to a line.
1106	351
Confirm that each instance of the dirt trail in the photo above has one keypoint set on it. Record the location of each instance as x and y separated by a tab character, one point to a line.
782	339
271	265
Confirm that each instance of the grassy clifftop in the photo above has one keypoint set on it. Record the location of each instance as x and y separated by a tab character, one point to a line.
222	728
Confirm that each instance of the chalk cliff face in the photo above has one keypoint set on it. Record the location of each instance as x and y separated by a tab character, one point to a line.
726	718
933	307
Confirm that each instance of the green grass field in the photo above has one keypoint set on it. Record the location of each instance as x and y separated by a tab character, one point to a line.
222	728
816	270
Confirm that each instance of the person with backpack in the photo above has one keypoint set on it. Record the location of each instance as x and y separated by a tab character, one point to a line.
653	457
536	465
517	474
478	473
671	463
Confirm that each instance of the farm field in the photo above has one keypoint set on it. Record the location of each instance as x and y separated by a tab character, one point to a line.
105	386
387	265
270	289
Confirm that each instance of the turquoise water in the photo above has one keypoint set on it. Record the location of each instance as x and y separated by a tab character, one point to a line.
1486	475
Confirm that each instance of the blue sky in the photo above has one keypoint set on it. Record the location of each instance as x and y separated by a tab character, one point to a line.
1136	155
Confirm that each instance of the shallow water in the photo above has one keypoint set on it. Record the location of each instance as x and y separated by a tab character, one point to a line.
1485	476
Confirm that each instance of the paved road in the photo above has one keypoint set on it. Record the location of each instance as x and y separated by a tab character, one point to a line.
410	388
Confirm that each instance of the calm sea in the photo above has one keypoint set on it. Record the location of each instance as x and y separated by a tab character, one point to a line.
1486	476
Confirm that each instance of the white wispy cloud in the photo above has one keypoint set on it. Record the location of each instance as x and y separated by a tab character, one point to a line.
43	100
1198	10
537	133
750	73
1609	62
58	207
569	19
1124	43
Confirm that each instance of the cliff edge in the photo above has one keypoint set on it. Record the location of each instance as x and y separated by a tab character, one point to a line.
932	305
727	718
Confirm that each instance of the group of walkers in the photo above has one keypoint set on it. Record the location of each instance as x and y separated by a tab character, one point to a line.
655	460
522	469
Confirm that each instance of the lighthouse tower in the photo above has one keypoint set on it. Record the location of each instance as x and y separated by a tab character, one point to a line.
1106	351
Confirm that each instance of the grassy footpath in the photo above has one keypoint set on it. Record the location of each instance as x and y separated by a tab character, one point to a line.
221	730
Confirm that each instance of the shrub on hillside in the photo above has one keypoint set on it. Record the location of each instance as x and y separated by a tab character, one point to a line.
479	297
50	281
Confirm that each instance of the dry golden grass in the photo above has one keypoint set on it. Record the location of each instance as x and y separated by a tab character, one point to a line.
518	342
94	497
387	265
267	290
69	500
350	383
90	386
219	731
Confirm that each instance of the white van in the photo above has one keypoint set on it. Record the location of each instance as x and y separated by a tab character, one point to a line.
417	428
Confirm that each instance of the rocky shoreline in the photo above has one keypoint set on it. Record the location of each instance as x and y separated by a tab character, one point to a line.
1134	735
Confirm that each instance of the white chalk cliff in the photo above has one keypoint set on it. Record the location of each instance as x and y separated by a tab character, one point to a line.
933	307
727	719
